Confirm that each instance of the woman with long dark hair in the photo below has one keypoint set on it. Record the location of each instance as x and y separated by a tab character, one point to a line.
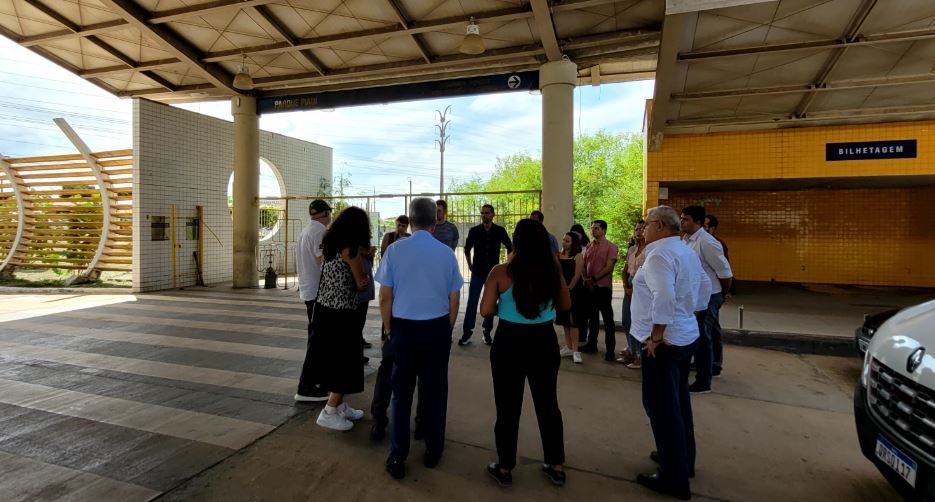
578	229
572	265
525	293
343	276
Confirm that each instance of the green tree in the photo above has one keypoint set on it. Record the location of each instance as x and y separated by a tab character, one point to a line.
608	180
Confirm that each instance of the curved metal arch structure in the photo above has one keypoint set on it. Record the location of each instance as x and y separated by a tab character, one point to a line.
72	212
21	210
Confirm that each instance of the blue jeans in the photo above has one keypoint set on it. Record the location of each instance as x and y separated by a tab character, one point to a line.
633	345
668	406
704	346
478	278
422	349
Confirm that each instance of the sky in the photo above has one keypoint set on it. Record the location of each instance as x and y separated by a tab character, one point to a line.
380	147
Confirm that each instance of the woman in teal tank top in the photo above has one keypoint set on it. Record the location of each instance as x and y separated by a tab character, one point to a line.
525	293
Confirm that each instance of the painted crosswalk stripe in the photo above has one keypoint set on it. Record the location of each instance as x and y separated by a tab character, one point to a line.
23	479
162	340
212	429
208	376
252	329
214	312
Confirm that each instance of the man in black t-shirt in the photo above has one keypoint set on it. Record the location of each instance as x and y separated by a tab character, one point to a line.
485	240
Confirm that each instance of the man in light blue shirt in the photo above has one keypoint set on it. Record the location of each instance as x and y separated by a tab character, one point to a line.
668	291
420	289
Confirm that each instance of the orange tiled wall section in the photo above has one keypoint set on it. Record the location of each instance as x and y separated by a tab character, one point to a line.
786	153
859	236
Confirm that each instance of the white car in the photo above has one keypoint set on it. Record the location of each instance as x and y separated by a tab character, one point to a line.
894	405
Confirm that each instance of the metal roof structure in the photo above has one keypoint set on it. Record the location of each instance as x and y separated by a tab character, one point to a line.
189	50
719	64
795	63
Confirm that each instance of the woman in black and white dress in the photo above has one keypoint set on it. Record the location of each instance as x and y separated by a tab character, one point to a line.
342	276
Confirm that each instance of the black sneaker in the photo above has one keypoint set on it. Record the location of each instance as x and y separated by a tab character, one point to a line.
556	477
430	461
465	340
487	339
654	456
588	349
377	432
697	388
396	469
654	483
716	372
502	479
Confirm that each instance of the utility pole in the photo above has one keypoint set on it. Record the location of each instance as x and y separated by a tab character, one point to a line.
443	138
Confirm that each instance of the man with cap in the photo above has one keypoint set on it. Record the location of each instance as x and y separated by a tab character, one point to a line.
308	262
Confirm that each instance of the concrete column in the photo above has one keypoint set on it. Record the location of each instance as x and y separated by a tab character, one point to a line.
557	83
246	190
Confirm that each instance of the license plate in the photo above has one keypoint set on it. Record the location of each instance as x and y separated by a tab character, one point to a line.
897	460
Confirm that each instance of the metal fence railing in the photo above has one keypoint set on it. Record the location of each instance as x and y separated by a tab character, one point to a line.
279	229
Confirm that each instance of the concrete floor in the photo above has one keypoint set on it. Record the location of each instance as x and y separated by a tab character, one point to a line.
187	395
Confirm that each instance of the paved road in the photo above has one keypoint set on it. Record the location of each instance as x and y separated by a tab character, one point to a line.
187	395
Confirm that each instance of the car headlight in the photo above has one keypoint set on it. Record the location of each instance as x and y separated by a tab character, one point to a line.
865	372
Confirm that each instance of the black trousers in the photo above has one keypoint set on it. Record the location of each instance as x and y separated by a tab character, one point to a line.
309	379
421	350
523	352
601	305
668	405
383	390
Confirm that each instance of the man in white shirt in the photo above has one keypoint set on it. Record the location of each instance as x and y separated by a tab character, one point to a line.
717	267
668	289
308	262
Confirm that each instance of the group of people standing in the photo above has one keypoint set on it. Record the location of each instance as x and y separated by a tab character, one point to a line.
670	308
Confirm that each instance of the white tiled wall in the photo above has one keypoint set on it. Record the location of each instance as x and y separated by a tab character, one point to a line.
185	159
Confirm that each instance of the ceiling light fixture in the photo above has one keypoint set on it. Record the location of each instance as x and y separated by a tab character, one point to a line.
472	43
243	81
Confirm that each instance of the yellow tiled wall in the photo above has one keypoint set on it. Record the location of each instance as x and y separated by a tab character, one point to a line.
860	236
856	236
786	153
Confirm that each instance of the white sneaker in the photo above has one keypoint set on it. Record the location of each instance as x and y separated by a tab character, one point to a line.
335	421
350	413
565	352
576	357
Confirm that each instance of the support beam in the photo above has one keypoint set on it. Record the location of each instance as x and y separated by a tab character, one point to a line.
52	13
159	18
546	29
686	6
246	190
382	32
875	40
116	69
104	186
851	33
57	60
128	62
557	83
280	29
894	112
677	33
176	45
840	85
401	67
81	31
406	22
